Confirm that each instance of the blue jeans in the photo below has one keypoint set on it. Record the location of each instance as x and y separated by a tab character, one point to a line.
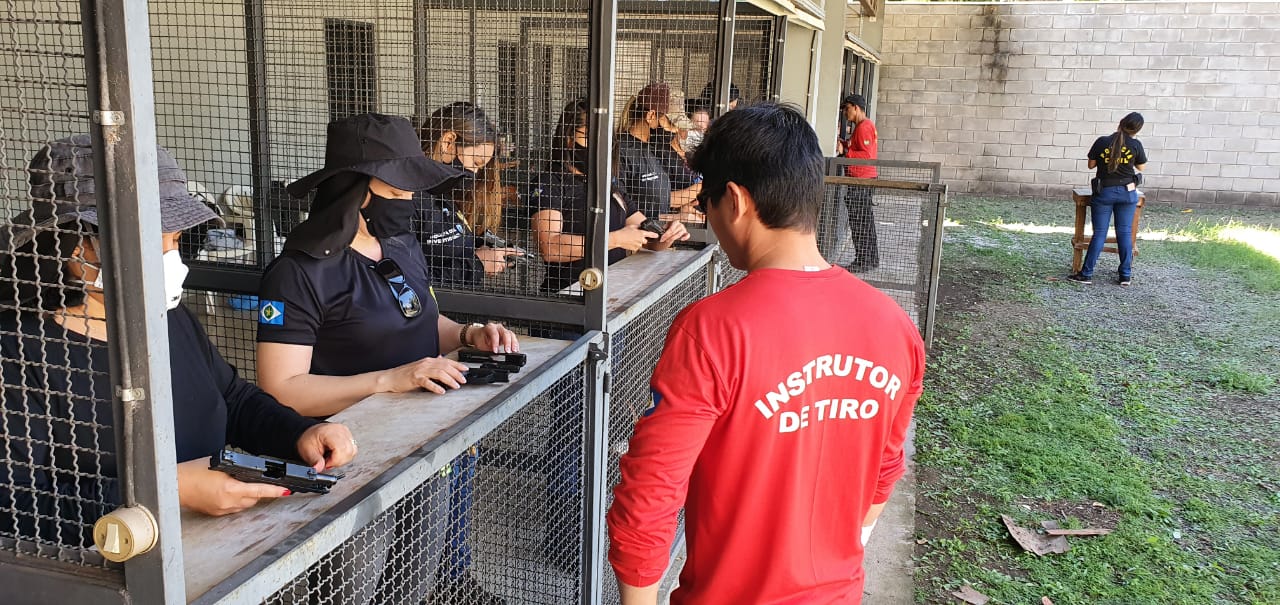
462	473
1123	204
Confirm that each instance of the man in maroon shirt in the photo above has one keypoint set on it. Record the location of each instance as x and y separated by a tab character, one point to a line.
862	144
780	405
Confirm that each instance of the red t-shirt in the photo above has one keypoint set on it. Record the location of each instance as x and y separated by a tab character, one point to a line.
863	144
780	409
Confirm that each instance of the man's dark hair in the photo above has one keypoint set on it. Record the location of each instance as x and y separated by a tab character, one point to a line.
694	105
856	100
774	154
709	92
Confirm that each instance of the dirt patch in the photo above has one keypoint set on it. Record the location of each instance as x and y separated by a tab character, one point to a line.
961	295
935	523
1080	514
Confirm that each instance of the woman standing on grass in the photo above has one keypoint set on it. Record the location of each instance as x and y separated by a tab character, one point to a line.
1119	159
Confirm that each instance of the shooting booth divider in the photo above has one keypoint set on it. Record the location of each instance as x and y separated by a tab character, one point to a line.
503	486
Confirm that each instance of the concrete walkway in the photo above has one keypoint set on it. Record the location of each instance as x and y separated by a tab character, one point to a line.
890	563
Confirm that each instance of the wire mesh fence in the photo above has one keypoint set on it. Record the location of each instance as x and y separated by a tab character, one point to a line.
243	93
634	352
885	234
57	463
886	170
501	522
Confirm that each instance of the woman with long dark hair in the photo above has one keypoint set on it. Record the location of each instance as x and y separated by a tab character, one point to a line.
1119	159
641	168
452	223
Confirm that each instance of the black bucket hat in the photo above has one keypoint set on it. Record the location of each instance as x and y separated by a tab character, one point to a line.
381	146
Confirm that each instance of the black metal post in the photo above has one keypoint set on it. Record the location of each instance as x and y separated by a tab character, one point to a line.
259	130
602	42
121	96
724	55
421	56
472	45
779	45
935	264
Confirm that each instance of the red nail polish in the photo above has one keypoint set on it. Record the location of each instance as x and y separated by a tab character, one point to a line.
287	492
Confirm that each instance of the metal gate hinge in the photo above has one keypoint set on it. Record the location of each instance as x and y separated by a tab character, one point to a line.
598	351
108	118
131	395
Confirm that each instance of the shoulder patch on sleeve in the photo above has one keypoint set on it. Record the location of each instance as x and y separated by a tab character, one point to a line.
654	399
271	313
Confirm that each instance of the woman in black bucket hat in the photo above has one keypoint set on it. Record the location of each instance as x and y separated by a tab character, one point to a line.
58	463
347	310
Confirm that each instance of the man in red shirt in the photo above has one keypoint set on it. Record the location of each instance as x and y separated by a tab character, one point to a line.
862	144
780	405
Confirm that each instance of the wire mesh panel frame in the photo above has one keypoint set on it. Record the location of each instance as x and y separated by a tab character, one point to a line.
910	191
287	563
120	121
231	277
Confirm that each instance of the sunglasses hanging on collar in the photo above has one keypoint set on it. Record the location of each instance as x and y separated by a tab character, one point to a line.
406	297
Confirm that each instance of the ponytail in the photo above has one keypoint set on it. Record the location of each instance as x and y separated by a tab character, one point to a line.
1113	157
1129	127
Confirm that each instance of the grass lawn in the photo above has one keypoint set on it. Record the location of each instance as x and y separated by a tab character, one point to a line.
1153	410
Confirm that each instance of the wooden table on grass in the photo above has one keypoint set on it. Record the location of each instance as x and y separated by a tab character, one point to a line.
1079	243
237	556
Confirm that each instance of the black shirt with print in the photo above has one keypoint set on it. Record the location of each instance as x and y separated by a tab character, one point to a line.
567	194
643	176
1131	155
348	313
448	243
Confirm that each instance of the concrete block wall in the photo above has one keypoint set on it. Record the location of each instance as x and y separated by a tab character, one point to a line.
1009	97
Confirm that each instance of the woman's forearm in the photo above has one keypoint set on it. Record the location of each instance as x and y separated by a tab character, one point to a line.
316	396
685	197
562	247
450	335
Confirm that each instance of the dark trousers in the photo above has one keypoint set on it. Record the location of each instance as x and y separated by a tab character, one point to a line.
862	225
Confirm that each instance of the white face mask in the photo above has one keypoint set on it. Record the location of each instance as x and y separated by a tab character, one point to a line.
692	141
175	273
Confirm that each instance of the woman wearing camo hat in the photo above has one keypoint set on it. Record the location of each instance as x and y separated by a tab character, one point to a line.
57	476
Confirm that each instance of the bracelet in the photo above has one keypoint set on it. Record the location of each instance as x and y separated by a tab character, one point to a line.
462	335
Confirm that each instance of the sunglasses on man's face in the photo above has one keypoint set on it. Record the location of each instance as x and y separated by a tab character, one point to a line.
410	304
706	195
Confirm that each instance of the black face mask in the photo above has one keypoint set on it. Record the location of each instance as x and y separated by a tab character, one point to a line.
463	185
580	157
387	217
660	137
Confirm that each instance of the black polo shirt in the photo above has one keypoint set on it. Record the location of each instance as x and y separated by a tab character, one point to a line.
1131	155
346	312
567	193
447	242
643	176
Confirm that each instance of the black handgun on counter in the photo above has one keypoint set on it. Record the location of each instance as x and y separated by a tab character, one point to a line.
653	226
492	240
510	362
248	468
